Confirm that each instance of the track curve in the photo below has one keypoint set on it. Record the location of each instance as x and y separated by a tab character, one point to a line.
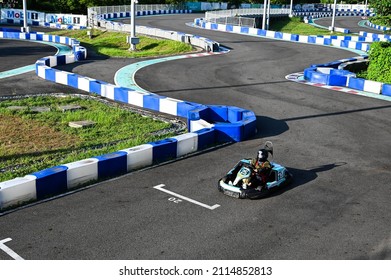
336	145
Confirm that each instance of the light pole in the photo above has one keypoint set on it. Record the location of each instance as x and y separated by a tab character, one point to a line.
25	28
133	40
333	19
268	16
291	9
264	15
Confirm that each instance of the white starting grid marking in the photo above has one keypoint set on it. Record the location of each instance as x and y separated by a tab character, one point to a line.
8	250
160	188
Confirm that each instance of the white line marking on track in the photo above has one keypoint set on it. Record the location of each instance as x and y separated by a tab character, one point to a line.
160	188
8	250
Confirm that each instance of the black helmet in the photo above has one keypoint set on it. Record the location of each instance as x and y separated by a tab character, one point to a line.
262	155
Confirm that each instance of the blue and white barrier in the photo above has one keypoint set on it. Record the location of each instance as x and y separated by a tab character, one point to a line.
377	27
327	73
340	41
207	125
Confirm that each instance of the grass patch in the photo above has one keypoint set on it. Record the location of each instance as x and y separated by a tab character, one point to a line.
114	44
31	141
295	25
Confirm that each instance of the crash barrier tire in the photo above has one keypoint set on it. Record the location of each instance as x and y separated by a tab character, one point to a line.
207	126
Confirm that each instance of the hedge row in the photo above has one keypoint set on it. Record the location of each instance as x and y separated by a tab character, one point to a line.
380	62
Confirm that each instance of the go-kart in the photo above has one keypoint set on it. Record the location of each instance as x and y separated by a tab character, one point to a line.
242	182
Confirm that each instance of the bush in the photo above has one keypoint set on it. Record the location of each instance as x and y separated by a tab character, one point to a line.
380	62
382	20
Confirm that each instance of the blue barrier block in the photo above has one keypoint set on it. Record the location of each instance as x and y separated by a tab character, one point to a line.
308	73
151	102
356	83
73	80
51	181
227	132
249	128
278	35
327	42
164	150
216	113
206	138
96	87
337	80
214	26
121	94
229	28
261	32
196	113
311	39
183	108
294	37
11	35
244	29
386	89
317	77
50	74
111	165
234	114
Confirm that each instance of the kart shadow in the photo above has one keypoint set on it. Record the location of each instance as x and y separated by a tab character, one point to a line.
302	177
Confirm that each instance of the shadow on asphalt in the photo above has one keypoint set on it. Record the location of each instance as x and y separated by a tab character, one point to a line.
302	176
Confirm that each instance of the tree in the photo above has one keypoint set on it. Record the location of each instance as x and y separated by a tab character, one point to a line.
382	7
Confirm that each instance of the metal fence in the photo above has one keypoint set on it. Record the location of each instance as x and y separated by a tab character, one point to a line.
241	17
127	8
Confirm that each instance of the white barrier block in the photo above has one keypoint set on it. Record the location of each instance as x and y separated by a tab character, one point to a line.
139	156
108	91
286	36
41	71
46	38
253	31
319	40
303	39
1	34
236	29
61	77
199	124
187	143
221	27
169	106
53	61
136	98
270	33
70	59
33	36
372	86
63	40
81	172
17	191
83	83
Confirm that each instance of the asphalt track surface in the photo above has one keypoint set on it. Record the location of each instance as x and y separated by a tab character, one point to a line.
336	145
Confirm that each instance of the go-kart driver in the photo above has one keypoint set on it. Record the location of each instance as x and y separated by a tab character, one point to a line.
262	167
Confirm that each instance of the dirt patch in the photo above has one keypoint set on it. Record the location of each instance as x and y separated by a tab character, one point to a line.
19	136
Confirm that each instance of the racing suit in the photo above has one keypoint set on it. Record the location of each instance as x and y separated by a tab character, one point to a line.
262	170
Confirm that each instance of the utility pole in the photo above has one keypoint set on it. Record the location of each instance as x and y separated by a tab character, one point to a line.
333	19
133	40
25	28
